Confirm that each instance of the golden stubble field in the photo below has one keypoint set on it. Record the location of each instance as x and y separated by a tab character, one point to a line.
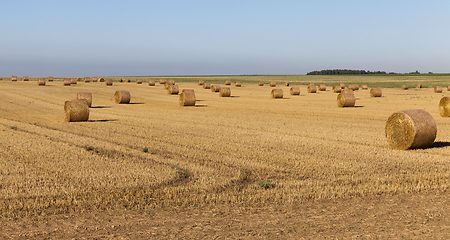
211	156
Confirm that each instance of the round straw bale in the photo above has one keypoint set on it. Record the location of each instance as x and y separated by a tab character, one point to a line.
272	84
277	93
346	100
87	79
404	87
295	91
67	82
322	87
346	90
353	87
79	79
341	85
94	79
444	107
109	82
14	79
418	85
87	96
311	88
375	92
410	129
200	82
127	80
162	81
101	79
76	110
171	82
227	82
260	83
25	78
311	84
138	81
206	85
122	96
120	80
50	79
172	89
73	81
286	84
224	92
448	88
364	87
187	97
151	82
437	89
215	88
336	89
41	81
237	83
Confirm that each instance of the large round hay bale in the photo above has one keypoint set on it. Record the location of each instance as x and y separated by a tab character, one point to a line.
167	84
277	93
94	79
260	83
87	79
171	82
364	87
448	88
120	80
76	110
206	85
138	81
127	80
404	87
215	88
272	84
227	82
87	96
187	97
375	92
67	82
311	88
341	85
346	100
200	82
151	82
224	92
295	90
122	96
79	79
336	89
172	89
437	89
322	87
286	84
41	81
109	82
50	79
353	87
73	81
346	90
25	78
14	79
101	79
418	85
410	129
162	81
237	84
444	107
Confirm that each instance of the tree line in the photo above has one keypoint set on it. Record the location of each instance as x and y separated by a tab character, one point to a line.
344	72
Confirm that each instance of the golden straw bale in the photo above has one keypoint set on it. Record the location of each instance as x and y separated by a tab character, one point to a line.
87	79
375	92
128	80
101	79
122	96
437	89
151	82
418	85
171	82
215	88
94	79
172	89
353	87
237	83
200	82
227	82
341	85
295	90
444	107
73	81
410	129
25	78
187	97
14	79
168	83
336	89
346	90
260	83
322	87
272	84
120	80
404	87
41	81
311	88
87	96
364	87
346	100
162	81
277	93
109	82
224	92
206	85
76	110
286	84
138	81
50	79
79	79
448	88
67	82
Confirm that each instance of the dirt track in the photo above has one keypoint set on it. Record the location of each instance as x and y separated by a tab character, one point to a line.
209	156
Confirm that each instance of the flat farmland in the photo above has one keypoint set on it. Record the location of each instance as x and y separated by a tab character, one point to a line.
327	168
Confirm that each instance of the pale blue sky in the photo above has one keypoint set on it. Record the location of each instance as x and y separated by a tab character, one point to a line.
130	38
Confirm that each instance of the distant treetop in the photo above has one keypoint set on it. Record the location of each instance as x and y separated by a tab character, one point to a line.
343	72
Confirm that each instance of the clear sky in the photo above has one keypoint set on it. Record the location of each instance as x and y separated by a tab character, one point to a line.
153	38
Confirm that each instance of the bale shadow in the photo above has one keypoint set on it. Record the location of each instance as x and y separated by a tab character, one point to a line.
136	103
101	107
200	100
358	106
234	96
201	105
440	144
103	120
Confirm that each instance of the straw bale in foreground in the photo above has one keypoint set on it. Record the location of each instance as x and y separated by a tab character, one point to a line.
187	97
277	93
76	110
224	92
346	100
172	89
375	92
311	88
122	96
41	82
295	90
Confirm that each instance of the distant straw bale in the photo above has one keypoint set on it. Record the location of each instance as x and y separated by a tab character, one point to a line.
346	100
94	79
237	84
437	89
138	81
73	81
101	79
14	79
79	79
418	85
295	90
410	129
122	97
448	88
277	93
375	92
76	110
206	85
286	84
87	96
128	80
227	82
200	82
187	97
41	82
346	90
120	80
109	82
336	89
353	87
162	81
404	87
444	107
341	85
272	84
25	78
215	88
172	89
50	79
364	87
67	82
151	82
260	83
322	87
87	79
311	88
171	82
224	92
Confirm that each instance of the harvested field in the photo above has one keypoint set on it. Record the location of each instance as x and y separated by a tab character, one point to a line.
206	163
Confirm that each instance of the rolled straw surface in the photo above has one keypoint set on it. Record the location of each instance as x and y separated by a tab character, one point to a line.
73	81
404	87
171	82
437	89
418	85
311	88
322	87
341	85
277	93
25	78
364	87
375	92
448	88
224	92
286	84
336	89
87	96
200	82
272	84
120	80
67	82
346	90
260	83
237	83
227	82
50	79
101	79
41	81
127	80
109	82
87	79
295	90
122	96
162	81
188	91
151	82
94	79
353	87
138	81
206	85
14	79
172	89
346	100
215	88
444	107
410	129
76	110
79	79
187	98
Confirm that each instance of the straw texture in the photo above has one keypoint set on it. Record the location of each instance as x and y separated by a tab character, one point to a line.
346	100
224	92
437	89
272	84
322	87
336	89
41	82
444	107
109	82
375	92
187	97
87	96
122	96
277	93
76	110
295	90
172	89
206	85
151	82
215	88
311	88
